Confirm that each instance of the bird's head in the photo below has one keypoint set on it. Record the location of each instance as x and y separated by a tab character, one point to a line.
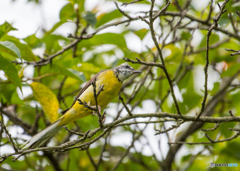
124	71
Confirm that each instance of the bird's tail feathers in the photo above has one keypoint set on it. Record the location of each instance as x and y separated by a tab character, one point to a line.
42	136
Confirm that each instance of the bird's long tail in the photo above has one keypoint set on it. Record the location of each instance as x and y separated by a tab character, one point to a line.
42	136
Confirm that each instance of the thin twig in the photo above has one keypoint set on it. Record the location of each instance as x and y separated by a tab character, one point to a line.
231	114
132	2
237	52
100	117
214	25
125	154
161	56
144	63
8	134
101	154
74	132
169	129
212	129
90	158
126	107
68	146
123	13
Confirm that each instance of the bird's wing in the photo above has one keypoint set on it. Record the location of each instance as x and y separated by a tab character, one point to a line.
82	90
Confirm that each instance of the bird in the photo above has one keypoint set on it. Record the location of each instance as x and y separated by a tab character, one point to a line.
106	83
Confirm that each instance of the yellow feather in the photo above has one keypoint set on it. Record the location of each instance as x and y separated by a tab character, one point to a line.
111	88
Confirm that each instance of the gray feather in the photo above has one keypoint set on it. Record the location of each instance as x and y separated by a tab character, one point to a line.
42	136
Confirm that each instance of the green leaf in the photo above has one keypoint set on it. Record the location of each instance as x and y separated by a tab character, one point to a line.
174	56
90	18
15	99
58	24
226	132
47	99
106	38
186	157
5	28
12	47
104	18
141	33
78	74
7	91
234	102
80	4
26	112
32	40
11	71
26	52
232	151
224	22
231	70
89	67
215	88
56	69
214	38
67	12
185	35
125	1
7	53
52	42
115	63
189	94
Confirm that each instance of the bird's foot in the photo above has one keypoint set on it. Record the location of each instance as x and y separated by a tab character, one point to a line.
102	116
99	111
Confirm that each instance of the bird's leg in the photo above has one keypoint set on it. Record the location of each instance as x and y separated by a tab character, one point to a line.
99	110
102	116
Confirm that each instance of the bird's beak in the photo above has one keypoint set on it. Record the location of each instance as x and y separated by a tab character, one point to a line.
136	72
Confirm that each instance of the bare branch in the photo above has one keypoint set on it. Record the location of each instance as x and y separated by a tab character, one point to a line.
151	19
132	2
237	52
8	134
214	24
212	129
211	140
123	13
169	129
98	109
124	104
144	63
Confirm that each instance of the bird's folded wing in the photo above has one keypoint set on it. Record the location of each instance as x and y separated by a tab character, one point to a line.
82	90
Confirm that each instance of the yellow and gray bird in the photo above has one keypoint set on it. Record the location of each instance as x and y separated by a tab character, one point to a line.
110	79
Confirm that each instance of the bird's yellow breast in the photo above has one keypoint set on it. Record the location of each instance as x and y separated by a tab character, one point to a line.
111	88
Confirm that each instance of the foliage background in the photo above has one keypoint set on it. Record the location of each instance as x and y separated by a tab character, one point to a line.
42	72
